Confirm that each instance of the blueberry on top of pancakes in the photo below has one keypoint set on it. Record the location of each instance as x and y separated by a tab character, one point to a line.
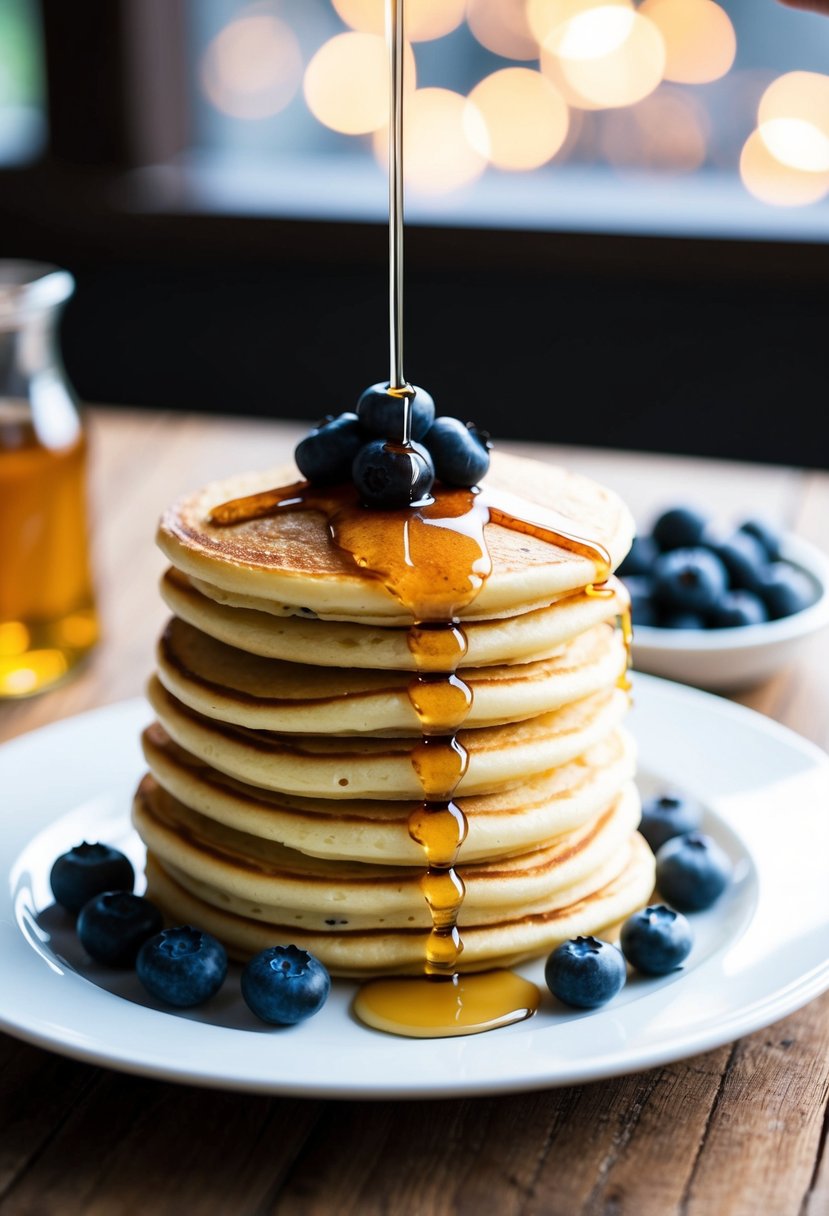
370	448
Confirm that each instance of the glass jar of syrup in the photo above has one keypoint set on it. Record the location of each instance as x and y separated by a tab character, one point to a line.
48	620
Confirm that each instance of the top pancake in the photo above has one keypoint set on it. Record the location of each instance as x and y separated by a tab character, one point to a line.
289	559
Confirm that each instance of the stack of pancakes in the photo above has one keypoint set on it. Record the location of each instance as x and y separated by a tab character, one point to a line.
281	783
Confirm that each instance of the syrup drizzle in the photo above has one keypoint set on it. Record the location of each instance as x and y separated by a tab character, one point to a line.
433	558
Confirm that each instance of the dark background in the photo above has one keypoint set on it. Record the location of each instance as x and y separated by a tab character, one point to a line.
693	346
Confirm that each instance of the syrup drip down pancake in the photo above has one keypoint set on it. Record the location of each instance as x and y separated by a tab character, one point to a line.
394	738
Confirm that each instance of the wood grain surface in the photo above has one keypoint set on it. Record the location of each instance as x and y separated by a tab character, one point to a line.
740	1131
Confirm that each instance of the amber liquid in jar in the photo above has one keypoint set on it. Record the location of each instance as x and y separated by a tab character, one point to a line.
48	620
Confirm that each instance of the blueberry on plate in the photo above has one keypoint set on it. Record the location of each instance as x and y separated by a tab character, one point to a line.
182	966
113	926
692	871
680	527
738	608
391	475
283	985
325	455
459	450
689	579
785	589
639	558
667	815
87	870
585	972
656	940
769	536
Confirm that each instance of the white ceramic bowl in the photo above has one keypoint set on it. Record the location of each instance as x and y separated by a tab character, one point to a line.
721	660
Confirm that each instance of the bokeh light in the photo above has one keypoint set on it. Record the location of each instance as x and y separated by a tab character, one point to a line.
502	27
425	19
769	180
594	34
439	155
346	83
609	89
793	120
605	57
799	144
253	67
667	132
524	116
549	19
700	42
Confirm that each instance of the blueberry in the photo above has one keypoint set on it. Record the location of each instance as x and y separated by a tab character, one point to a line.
656	940
87	870
381	412
682	619
737	608
459	450
743	557
692	871
689	579
114	925
585	972
785	589
679	528
326	454
639	558
389	475
284	985
667	815
642	608
769	536
183	966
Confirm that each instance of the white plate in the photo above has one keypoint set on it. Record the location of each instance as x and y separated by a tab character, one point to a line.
758	955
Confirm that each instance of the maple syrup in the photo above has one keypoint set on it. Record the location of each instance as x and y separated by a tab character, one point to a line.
48	620
432	557
47	611
466	1004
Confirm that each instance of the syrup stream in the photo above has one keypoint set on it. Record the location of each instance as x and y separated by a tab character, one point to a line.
397	381
433	558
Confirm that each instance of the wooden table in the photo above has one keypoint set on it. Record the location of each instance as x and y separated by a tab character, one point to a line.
739	1130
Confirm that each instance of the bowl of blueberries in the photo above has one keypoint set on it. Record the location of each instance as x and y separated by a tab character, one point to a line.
721	606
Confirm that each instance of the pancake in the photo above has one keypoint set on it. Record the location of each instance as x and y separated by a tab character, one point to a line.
331	676
513	938
372	830
235	687
398	620
370	767
537	634
290	559
266	881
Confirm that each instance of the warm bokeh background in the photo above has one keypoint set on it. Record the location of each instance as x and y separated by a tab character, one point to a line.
618	209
